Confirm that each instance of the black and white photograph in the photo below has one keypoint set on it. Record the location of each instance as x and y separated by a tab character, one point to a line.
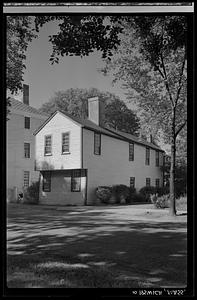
97	99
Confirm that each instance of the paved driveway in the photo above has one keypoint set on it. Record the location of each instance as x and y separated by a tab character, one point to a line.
142	246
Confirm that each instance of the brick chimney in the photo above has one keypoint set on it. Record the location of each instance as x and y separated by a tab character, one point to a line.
26	94
96	111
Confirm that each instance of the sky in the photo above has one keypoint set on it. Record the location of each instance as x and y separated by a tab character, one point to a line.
45	79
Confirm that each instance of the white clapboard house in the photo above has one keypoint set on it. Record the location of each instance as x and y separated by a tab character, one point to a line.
23	120
74	156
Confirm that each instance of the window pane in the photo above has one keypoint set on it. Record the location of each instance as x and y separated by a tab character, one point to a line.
65	142
157	182
27	122
46	181
131	151
97	143
27	150
26	179
147	161
48	148
147	181
132	182
157	158
76	181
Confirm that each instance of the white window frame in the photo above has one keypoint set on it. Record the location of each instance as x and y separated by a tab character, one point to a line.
45	138
66	133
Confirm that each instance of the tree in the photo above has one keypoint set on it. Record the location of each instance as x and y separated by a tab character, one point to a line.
18	35
151	63
74	101
78	35
180	176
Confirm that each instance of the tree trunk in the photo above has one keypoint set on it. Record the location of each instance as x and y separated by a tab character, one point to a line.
172	210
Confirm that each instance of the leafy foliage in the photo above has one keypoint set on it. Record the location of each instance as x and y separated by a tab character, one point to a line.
78	35
31	195
180	176
75	102
81	34
121	193
161	202
152	65
138	198
104	193
19	34
146	191
138	64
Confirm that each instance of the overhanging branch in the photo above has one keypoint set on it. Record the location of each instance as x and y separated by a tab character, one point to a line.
180	79
180	128
166	81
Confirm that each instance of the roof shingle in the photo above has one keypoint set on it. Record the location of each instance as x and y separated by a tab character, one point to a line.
107	131
18	105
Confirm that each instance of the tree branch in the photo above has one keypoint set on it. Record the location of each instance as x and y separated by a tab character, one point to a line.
166	81
180	80
180	128
158	69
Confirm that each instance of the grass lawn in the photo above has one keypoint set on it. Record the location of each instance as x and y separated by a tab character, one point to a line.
89	247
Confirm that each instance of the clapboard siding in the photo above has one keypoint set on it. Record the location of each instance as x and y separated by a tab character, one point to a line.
55	127
17	135
113	165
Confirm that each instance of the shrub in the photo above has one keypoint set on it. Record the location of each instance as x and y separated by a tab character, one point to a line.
31	195
132	192
121	193
138	197
146	191
181	203
162	190
104	193
180	188
160	202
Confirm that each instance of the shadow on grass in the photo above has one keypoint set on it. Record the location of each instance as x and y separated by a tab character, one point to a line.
64	249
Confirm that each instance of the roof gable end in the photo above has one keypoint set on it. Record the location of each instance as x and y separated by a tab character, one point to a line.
51	117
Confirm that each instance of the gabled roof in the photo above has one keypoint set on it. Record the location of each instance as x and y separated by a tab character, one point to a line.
107	131
82	122
18	105
135	139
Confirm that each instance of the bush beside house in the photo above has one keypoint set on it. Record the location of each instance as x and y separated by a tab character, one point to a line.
122	194
104	194
118	194
31	194
160	201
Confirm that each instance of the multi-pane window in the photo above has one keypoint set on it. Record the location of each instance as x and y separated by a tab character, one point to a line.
76	181
157	158
65	142
48	145
132	182
46	181
26	179
147	161
27	122
147	181
157	182
131	151
97	143
27	150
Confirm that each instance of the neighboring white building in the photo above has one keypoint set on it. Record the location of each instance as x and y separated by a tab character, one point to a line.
23	120
74	156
